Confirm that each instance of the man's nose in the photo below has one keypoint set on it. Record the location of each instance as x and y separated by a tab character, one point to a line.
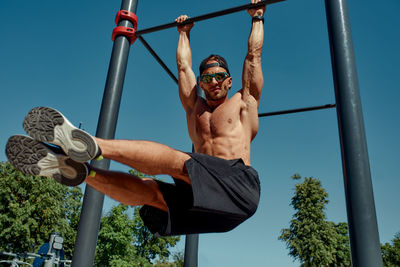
214	81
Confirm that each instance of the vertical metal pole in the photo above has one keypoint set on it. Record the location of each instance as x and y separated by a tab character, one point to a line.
85	245
191	250
192	241
363	228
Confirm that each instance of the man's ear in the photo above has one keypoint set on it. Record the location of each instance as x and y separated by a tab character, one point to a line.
199	85
230	82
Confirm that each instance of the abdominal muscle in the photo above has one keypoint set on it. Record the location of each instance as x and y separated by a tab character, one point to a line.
223	147
220	132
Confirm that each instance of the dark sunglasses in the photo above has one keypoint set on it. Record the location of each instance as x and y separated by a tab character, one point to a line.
219	77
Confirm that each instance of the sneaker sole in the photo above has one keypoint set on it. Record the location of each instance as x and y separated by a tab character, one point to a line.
49	125
34	158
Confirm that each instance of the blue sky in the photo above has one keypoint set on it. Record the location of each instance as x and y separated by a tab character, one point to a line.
56	53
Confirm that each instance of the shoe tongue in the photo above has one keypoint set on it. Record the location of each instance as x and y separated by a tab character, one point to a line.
55	149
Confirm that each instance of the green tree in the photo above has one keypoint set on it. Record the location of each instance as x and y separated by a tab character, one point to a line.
32	207
342	244
311	239
115	241
178	261
391	252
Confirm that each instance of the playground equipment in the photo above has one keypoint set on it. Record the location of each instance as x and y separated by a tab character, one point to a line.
50	254
364	237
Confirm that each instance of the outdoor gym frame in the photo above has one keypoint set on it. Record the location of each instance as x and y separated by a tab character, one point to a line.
363	229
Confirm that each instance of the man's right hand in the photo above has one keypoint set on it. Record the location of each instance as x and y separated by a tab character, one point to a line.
256	11
185	27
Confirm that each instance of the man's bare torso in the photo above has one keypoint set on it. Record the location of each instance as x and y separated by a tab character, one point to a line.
226	131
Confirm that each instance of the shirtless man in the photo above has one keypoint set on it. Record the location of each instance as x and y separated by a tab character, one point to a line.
214	189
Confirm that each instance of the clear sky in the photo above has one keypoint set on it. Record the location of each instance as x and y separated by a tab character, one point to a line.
56	53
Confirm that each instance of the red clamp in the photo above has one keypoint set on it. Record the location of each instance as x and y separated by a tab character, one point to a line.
126	31
125	14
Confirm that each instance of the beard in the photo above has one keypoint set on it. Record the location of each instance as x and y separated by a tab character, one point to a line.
211	97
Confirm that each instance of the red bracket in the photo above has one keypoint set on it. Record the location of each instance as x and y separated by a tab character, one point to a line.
126	31
125	14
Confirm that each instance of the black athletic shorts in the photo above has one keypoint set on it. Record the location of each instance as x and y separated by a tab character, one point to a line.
223	194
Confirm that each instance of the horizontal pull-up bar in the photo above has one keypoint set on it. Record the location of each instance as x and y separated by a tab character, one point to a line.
207	16
296	110
281	112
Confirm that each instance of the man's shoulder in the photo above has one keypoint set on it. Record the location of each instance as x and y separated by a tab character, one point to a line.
246	97
240	97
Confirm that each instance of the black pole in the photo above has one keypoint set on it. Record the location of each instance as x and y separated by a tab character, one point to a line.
192	241
363	227
85	245
191	251
207	16
158	59
288	111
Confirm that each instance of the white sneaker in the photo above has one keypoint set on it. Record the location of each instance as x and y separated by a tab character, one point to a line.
49	125
35	158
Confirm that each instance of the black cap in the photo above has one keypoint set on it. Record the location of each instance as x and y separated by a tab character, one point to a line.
221	62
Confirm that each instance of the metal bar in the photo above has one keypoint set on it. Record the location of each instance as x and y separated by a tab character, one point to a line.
165	67
159	60
191	251
89	223
361	214
192	241
207	16
280	112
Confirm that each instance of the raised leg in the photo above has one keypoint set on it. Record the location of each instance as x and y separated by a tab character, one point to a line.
49	125
128	189
146	156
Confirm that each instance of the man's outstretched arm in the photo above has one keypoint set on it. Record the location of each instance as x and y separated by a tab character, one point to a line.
252	77
187	78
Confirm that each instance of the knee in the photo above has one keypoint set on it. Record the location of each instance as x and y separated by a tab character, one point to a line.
180	171
156	198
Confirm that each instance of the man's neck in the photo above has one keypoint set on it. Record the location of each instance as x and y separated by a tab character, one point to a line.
213	104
